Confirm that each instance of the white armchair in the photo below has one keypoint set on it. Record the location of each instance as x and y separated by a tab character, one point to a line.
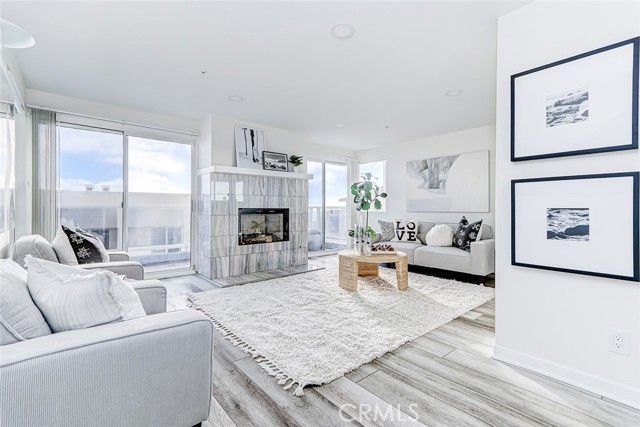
38	247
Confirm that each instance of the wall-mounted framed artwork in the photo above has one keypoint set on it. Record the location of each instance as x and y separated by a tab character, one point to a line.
250	143
456	183
586	224
580	105
275	161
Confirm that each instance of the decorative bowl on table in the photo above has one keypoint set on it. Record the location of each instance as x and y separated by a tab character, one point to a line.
382	249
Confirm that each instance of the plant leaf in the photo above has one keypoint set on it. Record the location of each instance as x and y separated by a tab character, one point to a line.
383	195
377	204
365	205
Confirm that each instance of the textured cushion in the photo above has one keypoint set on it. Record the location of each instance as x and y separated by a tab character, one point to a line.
444	258
406	231
387	230
34	245
80	299
440	235
408	248
85	247
486	232
466	233
20	319
423	229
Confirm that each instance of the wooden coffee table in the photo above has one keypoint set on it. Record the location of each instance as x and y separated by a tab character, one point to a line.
353	265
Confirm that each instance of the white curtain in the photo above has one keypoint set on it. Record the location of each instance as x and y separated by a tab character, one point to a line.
45	177
7	168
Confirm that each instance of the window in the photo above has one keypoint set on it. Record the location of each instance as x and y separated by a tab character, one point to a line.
133	192
378	171
90	168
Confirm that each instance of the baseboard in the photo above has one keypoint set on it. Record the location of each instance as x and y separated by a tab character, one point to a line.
618	392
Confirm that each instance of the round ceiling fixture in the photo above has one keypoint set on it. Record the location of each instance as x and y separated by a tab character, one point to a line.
236	98
343	31
14	37
387	126
454	92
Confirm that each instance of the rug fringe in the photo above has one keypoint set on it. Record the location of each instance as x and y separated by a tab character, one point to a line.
270	368
299	391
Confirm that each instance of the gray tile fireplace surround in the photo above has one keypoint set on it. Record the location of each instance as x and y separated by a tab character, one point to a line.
224	190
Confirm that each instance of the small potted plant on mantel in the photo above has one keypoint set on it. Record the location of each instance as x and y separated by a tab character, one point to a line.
295	161
366	194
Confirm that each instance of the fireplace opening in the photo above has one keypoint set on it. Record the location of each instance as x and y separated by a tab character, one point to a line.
262	226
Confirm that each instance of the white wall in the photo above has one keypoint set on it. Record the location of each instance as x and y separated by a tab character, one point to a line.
220	145
557	323
107	111
397	155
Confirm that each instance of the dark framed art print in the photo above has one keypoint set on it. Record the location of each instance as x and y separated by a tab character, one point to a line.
580	105
275	161
586	224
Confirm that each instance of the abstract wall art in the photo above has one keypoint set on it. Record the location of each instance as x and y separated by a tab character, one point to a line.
455	183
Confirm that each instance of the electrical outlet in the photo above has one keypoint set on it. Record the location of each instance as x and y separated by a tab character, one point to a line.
619	342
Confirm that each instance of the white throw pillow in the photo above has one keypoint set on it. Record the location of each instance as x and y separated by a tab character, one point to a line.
63	248
406	231
440	235
20	319
74	298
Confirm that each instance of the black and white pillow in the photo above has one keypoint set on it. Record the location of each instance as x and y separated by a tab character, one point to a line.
406	231
85	247
466	233
387	230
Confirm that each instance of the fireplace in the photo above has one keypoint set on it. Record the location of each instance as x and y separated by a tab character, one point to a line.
262	226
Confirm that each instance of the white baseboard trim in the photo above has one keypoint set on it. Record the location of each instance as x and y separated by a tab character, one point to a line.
618	392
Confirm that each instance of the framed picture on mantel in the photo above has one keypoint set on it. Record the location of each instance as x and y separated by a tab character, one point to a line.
275	161
250	144
580	105
585	224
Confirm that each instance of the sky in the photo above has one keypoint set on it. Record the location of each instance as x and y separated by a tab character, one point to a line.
94	157
336	184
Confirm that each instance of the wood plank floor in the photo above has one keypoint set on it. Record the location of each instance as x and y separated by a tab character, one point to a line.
444	378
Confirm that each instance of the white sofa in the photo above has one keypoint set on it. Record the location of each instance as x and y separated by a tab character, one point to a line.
152	371
479	262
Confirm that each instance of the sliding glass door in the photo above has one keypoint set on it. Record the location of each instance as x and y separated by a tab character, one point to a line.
159	203
134	192
90	182
328	205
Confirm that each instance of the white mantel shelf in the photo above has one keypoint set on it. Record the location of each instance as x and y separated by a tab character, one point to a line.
256	172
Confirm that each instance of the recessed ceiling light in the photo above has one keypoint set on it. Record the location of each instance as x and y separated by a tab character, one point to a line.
454	92
14	37
343	31
236	98
387	126
340	125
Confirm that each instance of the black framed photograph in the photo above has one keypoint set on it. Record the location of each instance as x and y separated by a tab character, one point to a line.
586	224
580	105
275	161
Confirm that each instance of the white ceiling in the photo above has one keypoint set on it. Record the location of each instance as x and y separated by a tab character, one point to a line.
280	57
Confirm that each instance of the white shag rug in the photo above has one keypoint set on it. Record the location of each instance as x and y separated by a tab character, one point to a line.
306	330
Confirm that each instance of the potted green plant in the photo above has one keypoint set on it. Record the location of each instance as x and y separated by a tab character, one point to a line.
366	195
296	161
